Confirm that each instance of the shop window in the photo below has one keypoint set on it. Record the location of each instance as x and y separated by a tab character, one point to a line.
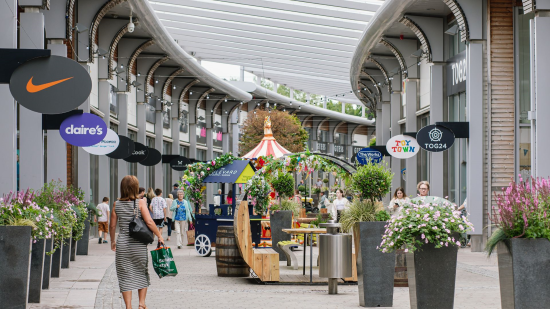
201	154
457	155
184	151
424	156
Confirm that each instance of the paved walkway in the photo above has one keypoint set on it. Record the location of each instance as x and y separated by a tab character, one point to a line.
91	282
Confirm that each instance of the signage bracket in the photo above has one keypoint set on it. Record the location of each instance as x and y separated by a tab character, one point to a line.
460	129
53	121
412	134
168	158
382	150
12	58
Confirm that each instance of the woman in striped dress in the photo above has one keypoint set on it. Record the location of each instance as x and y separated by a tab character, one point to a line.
131	255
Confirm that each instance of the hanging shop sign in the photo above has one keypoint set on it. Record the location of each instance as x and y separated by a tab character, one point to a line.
435	138
83	130
166	119
180	163
339	150
201	132
321	147
153	158
456	74
402	146
366	155
51	85
107	145
140	153
125	148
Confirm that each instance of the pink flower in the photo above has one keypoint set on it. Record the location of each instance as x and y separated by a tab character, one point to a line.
423	236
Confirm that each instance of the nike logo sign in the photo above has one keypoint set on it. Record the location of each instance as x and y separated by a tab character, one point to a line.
36	88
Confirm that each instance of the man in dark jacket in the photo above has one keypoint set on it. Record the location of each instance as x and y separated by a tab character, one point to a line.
175	191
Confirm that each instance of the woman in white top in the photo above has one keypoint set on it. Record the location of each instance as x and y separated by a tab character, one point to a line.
169	201
339	205
396	204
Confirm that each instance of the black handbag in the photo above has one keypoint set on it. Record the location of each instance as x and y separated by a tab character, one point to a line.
139	230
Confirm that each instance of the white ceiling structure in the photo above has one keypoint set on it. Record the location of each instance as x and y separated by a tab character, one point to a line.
305	44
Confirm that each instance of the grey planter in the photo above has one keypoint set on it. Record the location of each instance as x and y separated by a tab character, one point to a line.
375	270
66	253
56	263
82	244
280	220
73	250
524	268
47	265
432	276
37	270
15	254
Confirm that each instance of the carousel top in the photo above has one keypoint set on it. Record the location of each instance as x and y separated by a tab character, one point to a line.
268	145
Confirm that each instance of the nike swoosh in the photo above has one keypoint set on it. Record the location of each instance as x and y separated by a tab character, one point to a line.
36	88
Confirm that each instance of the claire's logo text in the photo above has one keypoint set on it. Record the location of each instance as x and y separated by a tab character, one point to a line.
83	130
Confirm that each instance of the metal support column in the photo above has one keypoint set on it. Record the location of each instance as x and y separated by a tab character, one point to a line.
141	138
395	109
104	172
411	97
122	101
436	114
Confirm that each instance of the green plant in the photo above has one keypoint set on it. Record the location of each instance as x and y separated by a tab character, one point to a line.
424	220
302	189
498	236
359	211
372	180
325	180
93	212
292	206
283	184
382	215
372	142
316	190
324	189
275	207
257	189
320	220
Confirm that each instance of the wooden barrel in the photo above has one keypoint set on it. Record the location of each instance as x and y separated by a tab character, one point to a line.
400	278
229	262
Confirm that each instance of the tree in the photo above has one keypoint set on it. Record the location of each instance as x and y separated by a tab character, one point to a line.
286	129
267	84
334	105
283	90
352	109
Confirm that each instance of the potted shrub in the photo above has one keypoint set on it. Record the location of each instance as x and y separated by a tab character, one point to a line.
25	225
82	244
522	241
428	228
283	184
366	218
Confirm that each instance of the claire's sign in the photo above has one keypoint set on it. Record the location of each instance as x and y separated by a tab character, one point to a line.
51	85
435	138
83	130
367	155
107	145
402	146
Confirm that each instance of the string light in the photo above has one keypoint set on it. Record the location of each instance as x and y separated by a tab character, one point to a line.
156	81
174	87
139	73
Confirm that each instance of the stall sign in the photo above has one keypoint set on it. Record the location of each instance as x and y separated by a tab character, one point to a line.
402	146
124	150
456	74
41	86
435	138
366	155
139	154
339	150
240	171
322	147
153	157
107	145
180	163
83	130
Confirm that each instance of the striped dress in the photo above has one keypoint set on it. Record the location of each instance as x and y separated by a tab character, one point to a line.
131	255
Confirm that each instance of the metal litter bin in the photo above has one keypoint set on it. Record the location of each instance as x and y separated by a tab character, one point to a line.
335	255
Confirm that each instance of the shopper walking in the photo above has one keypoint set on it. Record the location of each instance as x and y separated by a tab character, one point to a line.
131	258
183	213
174	191
141	194
102	219
423	188
169	200
396	204
339	205
322	200
158	208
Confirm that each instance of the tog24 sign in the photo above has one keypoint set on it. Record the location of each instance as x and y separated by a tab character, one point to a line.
435	138
402	146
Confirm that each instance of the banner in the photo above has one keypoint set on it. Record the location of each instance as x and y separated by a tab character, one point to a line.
83	130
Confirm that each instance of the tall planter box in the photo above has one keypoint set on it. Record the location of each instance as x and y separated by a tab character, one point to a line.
82	244
47	272
432	276
375	270
524	273
15	254
280	220
66	253
37	270
56	263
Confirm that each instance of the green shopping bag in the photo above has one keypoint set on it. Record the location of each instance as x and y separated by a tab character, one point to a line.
163	262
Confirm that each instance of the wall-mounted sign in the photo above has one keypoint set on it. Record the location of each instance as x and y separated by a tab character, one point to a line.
339	150
124	150
456	74
150	112
321	147
435	138
180	163
83	130
139	154
402	146
107	145
166	119
217	135
153	158
201	132
367	155
51	85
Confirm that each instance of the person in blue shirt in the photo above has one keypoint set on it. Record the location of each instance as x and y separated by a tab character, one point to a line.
183	214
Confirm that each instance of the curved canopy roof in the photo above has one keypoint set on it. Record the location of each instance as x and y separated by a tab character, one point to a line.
305	44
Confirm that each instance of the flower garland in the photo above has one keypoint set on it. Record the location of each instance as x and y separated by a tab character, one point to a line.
258	192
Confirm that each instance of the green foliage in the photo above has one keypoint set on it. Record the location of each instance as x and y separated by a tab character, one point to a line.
359	211
316	190
498	236
382	215
424	220
292	206
267	84
352	109
275	207
300	96
257	188
325	180
283	90
372	180
320	220
93	211
334	106
372	142
283	184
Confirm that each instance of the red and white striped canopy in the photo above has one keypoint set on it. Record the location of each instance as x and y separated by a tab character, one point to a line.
268	145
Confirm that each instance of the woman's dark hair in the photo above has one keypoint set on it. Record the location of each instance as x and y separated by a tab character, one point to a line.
341	191
230	193
141	189
158	191
397	190
129	187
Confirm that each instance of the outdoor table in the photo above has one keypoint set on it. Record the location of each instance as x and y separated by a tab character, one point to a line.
309	231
